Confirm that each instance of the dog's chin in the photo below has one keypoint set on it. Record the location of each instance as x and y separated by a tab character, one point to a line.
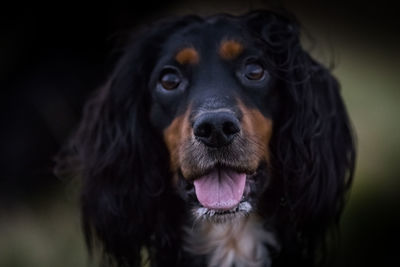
242	205
243	209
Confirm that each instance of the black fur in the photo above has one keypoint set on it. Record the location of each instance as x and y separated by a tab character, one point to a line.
128	202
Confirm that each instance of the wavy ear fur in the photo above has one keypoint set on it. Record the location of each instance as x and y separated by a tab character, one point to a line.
123	161
313	147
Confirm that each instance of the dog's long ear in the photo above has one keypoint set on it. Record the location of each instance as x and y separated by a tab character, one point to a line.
313	146
122	160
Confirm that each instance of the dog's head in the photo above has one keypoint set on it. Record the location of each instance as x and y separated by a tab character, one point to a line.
214	94
219	116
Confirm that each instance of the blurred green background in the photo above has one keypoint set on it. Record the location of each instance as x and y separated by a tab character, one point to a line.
47	73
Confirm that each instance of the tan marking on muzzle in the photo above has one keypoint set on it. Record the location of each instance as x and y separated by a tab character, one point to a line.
259	129
178	132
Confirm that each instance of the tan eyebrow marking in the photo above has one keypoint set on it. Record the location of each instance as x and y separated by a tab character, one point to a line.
230	49
187	55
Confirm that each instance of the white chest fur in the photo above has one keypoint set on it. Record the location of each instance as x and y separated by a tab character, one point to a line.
241	242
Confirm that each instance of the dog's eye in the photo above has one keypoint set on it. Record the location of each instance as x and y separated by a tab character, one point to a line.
254	71
170	80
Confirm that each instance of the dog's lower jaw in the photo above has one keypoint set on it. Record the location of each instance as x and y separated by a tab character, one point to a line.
241	210
240	242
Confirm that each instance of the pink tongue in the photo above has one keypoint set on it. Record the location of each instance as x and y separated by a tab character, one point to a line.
220	189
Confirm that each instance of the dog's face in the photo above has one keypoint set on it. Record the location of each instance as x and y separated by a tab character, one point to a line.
213	100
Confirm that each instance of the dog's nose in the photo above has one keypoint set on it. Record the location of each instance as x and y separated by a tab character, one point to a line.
216	129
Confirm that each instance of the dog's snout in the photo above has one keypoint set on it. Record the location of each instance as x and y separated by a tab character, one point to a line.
216	129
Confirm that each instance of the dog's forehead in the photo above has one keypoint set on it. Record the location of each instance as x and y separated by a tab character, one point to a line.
207	37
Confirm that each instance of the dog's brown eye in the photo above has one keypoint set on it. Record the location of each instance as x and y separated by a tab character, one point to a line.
254	71
170	80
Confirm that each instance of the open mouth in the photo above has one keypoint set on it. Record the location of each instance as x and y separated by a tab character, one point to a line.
221	189
223	194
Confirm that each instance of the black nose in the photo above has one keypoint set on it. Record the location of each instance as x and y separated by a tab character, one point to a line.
216	129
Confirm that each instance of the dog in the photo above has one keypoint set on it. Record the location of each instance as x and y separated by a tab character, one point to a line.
217	141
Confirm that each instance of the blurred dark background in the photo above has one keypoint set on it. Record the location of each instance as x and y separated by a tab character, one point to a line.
53	56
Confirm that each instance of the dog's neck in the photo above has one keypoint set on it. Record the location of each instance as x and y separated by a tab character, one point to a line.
239	243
